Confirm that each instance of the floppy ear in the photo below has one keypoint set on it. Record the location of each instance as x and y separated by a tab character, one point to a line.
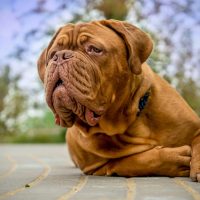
41	64
42	61
138	43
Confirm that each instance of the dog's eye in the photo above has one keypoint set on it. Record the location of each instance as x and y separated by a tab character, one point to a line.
93	50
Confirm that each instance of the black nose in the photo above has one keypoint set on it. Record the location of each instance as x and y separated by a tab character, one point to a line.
60	56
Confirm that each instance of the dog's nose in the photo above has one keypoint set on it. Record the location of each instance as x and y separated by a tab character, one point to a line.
60	56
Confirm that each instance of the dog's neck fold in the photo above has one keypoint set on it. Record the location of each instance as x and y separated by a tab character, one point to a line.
121	114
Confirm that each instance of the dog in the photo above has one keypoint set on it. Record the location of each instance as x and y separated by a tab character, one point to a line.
122	118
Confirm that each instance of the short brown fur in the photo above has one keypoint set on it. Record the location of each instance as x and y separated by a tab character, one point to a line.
159	140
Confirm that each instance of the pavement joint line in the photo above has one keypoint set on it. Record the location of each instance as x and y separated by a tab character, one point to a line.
12	167
76	188
189	189
37	180
131	188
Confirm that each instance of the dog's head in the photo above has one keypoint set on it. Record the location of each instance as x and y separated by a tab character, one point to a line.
86	67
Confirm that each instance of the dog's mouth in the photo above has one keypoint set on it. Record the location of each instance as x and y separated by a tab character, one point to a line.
89	118
69	110
72	90
58	83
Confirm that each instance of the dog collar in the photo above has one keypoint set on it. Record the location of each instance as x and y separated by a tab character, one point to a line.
143	101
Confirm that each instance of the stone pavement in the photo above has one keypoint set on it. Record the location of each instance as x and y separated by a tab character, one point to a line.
45	172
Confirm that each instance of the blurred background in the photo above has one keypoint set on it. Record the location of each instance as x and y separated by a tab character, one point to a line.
26	28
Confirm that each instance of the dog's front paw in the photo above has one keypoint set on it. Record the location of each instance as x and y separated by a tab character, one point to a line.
195	162
174	161
195	170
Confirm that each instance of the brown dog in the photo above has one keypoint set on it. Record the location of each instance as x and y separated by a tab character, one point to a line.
125	119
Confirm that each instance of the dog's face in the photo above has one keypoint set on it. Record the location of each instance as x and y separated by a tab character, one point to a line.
86	67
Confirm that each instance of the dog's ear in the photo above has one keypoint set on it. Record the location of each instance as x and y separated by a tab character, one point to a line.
41	64
138	43
42	61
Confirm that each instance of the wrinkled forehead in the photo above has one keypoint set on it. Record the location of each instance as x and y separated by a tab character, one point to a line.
74	35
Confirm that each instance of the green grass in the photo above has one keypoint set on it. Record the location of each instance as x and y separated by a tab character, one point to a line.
36	136
37	129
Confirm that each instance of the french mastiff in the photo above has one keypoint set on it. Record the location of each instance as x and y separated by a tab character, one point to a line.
122	118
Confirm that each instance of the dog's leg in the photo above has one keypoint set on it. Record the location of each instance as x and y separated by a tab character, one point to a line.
158	161
195	163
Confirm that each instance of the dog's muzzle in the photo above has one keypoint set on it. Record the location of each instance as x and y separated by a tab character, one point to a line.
71	85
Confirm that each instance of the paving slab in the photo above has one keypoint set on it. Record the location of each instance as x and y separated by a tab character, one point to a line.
45	172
